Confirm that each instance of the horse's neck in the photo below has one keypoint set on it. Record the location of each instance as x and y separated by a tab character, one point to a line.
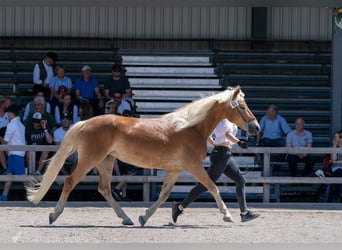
214	116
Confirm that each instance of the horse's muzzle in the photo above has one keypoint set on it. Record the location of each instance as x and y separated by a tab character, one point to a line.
253	127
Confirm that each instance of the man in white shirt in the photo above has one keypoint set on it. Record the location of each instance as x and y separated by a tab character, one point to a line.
43	72
15	135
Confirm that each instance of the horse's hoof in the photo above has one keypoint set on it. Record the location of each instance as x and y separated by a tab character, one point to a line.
142	220
52	218
228	219
127	222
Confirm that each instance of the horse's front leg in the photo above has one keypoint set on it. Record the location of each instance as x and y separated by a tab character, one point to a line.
168	183
202	176
105	169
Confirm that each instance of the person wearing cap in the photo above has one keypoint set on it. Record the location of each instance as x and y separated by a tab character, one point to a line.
43	72
120	104
58	136
14	135
87	90
59	85
38	133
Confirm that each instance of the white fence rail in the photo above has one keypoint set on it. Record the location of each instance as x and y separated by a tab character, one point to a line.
147	179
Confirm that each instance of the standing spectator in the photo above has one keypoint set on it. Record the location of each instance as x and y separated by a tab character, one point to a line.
30	108
43	72
58	136
87	90
39	106
66	106
222	161
121	104
59	85
300	137
336	164
5	102
38	133
15	135
273	128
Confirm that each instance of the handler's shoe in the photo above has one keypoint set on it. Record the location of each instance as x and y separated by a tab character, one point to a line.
249	216
3	197
175	211
116	194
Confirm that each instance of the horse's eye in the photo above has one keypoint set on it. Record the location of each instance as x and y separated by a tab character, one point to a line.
242	107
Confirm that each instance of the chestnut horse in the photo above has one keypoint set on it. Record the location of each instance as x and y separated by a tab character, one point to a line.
175	142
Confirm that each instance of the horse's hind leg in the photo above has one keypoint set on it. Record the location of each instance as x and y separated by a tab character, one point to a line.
168	183
69	183
105	170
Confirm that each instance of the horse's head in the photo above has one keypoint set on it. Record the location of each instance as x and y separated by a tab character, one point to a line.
239	113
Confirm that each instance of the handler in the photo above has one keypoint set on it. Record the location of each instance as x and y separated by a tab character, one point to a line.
222	161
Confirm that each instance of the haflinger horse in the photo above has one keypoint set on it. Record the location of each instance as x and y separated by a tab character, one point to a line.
175	142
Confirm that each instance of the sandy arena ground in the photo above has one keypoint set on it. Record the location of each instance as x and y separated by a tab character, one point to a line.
83	222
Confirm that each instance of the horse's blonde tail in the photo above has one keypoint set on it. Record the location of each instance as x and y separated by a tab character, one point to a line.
69	145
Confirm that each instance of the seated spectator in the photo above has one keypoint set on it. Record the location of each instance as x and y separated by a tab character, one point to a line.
66	106
43	72
59	85
58	136
39	106
119	102
87	90
30	108
5	102
273	128
38	133
300	137
117	82
14	135
336	164
85	111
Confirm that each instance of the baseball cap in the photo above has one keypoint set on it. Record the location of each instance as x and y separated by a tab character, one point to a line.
66	116
37	116
86	67
52	55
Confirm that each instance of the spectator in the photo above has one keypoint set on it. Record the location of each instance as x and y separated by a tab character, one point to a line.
117	82
30	109
85	111
66	106
5	102
336	166
119	102
273	128
87	90
38	133
15	135
222	161
43	72
120	168
59	85
58	136
300	137
39	106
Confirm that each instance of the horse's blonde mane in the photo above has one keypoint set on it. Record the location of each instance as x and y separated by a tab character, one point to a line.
196	111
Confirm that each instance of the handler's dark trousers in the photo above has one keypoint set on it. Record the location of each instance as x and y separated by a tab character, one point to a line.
221	162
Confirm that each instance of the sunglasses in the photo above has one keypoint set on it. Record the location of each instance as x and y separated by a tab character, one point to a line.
35	121
116	70
65	120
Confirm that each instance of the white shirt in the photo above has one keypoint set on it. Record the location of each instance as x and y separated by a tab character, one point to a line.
123	106
219	133
59	134
36	74
28	110
15	135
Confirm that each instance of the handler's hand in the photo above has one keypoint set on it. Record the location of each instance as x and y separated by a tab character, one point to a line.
243	144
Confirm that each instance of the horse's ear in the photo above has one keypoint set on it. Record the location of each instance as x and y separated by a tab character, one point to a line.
236	92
